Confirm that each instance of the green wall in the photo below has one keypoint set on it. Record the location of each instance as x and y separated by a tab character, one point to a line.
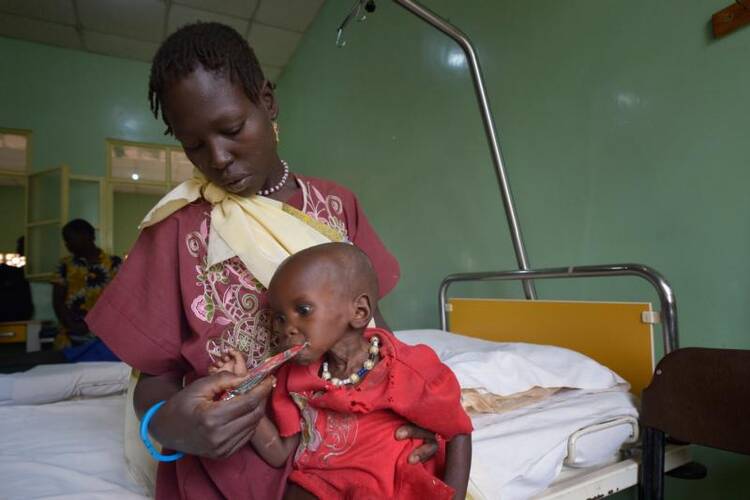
129	210
72	101
623	127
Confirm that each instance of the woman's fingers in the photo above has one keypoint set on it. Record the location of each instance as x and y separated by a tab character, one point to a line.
241	430
237	433
218	416
244	404
208	388
236	357
410	431
216	428
424	452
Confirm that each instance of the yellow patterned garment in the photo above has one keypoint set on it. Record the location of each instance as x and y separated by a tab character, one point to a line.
84	282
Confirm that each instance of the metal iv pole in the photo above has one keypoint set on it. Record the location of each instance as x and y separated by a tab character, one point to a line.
489	123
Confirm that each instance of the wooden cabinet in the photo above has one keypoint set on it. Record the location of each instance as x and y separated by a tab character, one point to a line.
21	332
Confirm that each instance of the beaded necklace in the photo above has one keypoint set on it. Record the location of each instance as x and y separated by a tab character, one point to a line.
355	377
280	184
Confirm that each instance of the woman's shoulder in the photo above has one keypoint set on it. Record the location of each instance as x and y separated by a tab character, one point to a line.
324	186
187	218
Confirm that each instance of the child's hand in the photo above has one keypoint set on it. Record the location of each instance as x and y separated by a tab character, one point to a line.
231	361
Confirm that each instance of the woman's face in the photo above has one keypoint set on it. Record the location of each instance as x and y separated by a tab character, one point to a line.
228	137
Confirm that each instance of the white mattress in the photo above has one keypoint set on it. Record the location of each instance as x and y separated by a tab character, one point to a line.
69	449
517	455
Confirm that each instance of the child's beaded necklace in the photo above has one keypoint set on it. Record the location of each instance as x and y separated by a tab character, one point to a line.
355	377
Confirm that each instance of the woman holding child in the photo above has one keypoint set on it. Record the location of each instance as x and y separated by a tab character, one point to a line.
194	285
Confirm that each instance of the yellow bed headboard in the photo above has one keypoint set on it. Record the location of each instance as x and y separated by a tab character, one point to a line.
613	333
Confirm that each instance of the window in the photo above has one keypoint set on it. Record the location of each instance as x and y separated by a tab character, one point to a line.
139	174
15	155
182	169
138	163
15	151
140	167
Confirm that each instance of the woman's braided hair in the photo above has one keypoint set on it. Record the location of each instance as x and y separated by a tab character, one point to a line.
214	46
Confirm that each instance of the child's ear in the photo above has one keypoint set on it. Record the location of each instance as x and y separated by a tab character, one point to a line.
362	312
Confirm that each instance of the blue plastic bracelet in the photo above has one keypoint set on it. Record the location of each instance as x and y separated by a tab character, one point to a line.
147	441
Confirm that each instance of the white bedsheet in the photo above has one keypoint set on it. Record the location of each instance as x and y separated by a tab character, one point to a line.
74	449
518	454
51	383
70	449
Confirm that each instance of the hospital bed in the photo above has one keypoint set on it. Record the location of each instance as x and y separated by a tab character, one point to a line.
619	335
68	420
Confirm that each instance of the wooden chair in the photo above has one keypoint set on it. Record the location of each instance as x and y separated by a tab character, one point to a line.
699	396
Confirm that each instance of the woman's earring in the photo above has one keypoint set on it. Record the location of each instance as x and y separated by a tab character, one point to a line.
276	130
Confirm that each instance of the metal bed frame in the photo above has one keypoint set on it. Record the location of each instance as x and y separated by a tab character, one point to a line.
648	475
668	313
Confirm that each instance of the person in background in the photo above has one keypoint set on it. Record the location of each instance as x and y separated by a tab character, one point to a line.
79	281
15	291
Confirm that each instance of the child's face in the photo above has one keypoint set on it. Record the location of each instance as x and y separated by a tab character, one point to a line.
308	309
227	136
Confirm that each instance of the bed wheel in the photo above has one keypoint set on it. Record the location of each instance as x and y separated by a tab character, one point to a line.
691	470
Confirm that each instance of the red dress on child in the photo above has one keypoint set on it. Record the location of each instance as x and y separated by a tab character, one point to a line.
348	448
169	312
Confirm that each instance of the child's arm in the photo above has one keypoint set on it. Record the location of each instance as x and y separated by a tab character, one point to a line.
458	464
274	449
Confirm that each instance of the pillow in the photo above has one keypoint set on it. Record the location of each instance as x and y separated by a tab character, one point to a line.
50	383
506	368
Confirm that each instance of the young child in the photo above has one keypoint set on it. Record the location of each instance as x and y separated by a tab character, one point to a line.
337	405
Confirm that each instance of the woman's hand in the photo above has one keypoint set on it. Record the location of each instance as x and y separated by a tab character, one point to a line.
428	448
192	421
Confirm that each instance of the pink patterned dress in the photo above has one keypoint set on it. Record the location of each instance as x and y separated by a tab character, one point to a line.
167	311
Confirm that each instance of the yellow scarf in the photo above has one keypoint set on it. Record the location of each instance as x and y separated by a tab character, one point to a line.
261	231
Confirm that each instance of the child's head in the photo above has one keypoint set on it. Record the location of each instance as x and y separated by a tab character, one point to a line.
211	92
320	295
